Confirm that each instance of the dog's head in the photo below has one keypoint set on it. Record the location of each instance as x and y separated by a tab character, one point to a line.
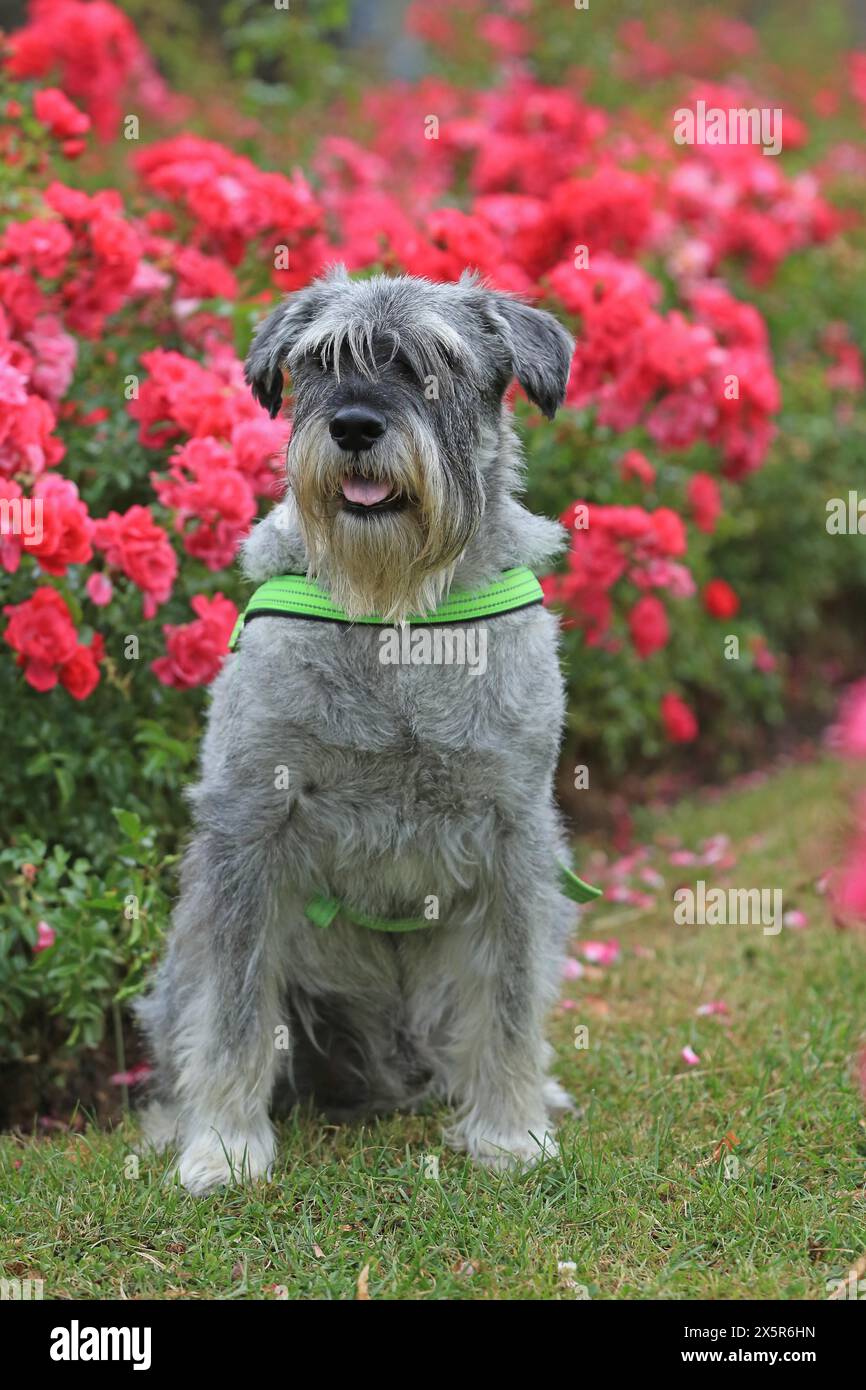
398	386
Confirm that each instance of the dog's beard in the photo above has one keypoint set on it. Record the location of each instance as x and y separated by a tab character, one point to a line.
389	563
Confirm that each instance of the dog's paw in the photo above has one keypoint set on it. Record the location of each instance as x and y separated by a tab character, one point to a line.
158	1128
211	1160
502	1149
557	1099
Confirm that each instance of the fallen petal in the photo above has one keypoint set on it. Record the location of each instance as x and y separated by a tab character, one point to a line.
601	952
795	918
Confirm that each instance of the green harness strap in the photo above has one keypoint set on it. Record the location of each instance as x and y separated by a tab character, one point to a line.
295	596
322	910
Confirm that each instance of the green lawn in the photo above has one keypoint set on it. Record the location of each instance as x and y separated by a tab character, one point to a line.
637	1200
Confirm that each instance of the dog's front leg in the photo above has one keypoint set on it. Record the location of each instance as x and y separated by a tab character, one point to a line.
213	1014
497	1059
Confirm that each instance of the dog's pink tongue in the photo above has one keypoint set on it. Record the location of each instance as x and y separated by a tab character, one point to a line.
365	492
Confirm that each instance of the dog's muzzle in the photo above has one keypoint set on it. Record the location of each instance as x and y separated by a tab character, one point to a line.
355	429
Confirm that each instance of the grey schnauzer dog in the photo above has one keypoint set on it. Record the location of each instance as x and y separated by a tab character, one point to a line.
388	786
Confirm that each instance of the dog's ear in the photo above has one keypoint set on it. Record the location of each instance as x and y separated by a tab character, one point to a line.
539	347
270	346
276	337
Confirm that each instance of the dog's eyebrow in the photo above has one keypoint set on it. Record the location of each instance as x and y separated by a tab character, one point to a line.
431	347
330	338
429	352
440	332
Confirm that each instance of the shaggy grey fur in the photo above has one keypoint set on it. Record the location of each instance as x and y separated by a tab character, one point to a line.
389	787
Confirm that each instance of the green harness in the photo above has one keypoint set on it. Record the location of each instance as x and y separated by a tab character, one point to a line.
295	596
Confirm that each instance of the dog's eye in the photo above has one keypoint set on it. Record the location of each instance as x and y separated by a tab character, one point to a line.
404	366
451	360
312	360
318	359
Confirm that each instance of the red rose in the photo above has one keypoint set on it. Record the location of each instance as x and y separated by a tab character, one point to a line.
679	721
705	502
10	536
135	544
41	630
38	245
720	600
65	532
648	623
670	531
80	675
54	109
634	464
203	277
28	443
203	482
197	650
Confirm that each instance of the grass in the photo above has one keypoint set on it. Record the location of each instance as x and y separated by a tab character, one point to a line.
638	1200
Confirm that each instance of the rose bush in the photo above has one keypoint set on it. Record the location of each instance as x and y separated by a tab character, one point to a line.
715	403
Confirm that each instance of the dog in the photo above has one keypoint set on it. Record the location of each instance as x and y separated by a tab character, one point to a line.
391	786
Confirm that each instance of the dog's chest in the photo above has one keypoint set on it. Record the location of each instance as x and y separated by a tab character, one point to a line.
408	726
444	690
390	776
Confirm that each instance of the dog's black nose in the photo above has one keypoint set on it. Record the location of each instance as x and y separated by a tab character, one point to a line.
356	427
